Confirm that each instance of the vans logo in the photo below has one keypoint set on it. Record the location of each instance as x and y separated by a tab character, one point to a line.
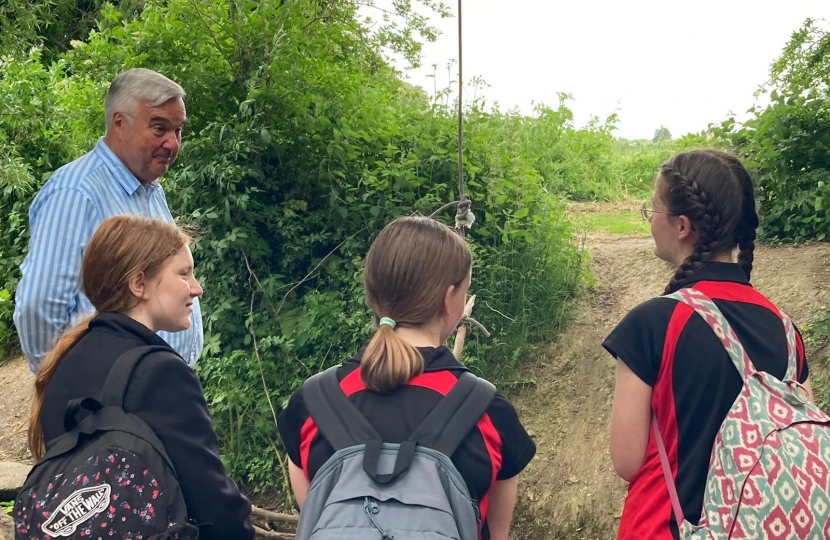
77	508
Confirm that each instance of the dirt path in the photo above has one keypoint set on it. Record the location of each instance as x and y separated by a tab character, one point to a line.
16	386
570	491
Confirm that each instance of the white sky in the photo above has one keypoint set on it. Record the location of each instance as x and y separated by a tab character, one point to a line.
676	63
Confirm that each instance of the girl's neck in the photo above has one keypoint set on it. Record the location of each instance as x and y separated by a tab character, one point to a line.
140	316
725	256
419	337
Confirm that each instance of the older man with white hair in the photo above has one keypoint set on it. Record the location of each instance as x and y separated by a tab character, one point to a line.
145	114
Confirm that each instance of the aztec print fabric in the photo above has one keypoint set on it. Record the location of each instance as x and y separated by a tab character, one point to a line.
770	467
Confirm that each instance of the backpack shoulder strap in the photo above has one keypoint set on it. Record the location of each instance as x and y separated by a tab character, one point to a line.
115	387
455	415
706	308
337	418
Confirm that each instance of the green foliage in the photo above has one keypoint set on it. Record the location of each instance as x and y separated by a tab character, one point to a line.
7	341
7	506
575	163
635	163
587	163
805	61
300	148
787	141
51	24
816	335
661	134
613	222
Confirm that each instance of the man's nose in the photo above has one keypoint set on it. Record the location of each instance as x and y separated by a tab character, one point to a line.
172	142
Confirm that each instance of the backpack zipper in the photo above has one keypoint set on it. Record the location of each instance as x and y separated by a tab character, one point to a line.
370	506
477	511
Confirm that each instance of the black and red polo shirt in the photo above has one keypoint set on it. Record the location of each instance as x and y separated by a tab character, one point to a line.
673	350
497	449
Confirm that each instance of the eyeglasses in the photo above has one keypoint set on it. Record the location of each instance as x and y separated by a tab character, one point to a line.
647	210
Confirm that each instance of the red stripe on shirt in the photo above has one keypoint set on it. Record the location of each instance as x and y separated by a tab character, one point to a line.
734	292
651	515
799	345
352	383
307	434
492	441
440	381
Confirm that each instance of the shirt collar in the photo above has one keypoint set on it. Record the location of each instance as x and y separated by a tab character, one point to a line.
435	358
718	271
120	324
122	174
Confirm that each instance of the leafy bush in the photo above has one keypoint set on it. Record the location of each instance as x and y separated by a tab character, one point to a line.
787	141
300	147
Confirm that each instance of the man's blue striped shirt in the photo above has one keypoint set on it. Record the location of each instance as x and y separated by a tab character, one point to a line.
62	218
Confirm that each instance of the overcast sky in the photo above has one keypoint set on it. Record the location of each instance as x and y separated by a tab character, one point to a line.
675	63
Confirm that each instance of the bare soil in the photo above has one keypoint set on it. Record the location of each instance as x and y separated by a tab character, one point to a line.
570	490
16	389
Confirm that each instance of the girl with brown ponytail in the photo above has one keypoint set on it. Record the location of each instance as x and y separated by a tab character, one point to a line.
416	278
669	361
138	274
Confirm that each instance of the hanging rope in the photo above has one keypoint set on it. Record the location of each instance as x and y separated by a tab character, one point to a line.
462	210
463	216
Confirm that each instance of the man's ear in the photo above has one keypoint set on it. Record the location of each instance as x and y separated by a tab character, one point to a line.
138	285
119	120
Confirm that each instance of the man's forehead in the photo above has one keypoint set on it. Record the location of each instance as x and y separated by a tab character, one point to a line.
172	111
168	118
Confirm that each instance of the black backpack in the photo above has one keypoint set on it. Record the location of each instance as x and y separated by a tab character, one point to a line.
107	476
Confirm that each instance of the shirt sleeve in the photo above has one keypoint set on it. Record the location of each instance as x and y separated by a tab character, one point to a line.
803	369
638	339
166	394
290	424
61	222
517	448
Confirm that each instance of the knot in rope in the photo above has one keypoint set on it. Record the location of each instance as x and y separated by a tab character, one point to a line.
463	215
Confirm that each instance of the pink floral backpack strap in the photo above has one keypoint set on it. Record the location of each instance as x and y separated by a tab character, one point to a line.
706	308
664	461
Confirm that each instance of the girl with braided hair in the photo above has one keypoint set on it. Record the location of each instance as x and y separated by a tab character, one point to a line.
669	361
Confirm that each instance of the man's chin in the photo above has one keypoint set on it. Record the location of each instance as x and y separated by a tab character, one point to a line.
159	169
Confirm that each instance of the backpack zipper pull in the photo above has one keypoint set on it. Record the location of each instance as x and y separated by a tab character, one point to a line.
477	511
370	506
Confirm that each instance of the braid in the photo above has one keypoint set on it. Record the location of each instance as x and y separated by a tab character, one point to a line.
715	192
701	210
745	233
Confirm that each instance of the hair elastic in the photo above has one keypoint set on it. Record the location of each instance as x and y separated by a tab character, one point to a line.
387	321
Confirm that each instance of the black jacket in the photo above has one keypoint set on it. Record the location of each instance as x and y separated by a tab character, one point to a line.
164	392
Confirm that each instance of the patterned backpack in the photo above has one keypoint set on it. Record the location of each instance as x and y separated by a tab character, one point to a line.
769	474
106	477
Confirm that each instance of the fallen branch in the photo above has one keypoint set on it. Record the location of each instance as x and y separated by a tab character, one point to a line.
262	533
273	517
461	335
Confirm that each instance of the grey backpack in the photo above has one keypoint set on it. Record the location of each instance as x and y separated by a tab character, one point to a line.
374	490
